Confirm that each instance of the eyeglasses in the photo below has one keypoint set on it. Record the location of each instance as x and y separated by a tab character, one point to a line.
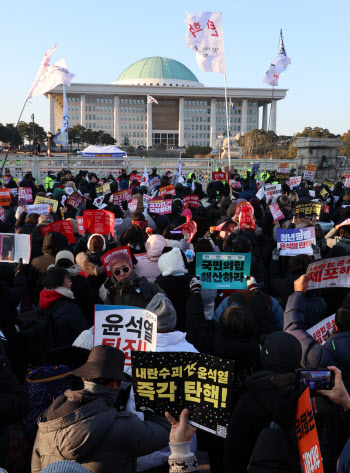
117	271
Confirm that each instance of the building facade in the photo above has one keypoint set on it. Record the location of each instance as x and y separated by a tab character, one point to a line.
187	113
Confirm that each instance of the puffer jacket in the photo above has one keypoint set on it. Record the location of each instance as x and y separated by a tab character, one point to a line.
92	264
88	429
334	240
149	266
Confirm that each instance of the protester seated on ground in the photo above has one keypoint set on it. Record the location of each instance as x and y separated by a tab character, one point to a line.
219	208
220	233
124	286
279	357
175	217
52	244
135	238
339	236
148	267
203	219
325	222
205	245
294	198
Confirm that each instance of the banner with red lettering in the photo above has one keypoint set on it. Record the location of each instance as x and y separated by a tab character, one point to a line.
160	206
167	190
331	272
76	199
190	201
188	229
60	226
99	221
25	195
5	197
122	195
80	222
135	177
219	176
323	329
107	256
276	212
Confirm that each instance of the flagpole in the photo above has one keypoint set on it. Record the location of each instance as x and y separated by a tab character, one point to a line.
227	118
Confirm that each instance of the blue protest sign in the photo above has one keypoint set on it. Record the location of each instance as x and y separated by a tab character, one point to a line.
296	241
223	270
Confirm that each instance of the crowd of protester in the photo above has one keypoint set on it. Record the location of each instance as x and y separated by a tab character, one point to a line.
67	406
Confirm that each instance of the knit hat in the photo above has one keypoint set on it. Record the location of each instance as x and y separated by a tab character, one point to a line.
119	257
165	311
123	185
45	219
72	185
143	190
57	193
171	263
283	201
280	352
65	466
96	243
64	254
85	339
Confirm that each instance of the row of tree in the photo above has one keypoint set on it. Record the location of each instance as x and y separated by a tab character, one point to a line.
79	134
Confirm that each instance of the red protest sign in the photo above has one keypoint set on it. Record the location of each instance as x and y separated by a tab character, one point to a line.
61	226
80	222
219	176
276	212
122	195
5	197
160	206
190	201
99	221
132	205
188	229
75	199
305	429
135	177
167	190
25	195
107	256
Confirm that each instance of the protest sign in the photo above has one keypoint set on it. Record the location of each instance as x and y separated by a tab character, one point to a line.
255	168
296	241
283	176
154	181
276	212
61	226
331	272
146	199
294	181
103	190
346	222
2	215
172	381
223	270
321	330
5	197
167	190
160	206
76	199
326	209
36	209
306	432
25	195
134	177
80	222
205	202
272	191
127	328
346	181
141	256
99	221
260	194
219	176
308	210
6	179
328	183
14	191
190	201
283	168
14	246
107	256
45	200
310	171
132	205
119	196
324	194
188	229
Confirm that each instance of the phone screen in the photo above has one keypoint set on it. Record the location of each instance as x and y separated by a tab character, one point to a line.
317	379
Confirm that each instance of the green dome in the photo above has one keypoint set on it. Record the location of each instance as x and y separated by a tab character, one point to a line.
157	68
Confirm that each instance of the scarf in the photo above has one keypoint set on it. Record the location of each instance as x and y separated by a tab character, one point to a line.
94	388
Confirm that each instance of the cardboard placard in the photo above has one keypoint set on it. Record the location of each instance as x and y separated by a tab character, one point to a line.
272	191
99	221
310	171
296	241
219	176
223	270
103	190
331	272
321	330
40	209
160	206
132	205
170	189
294	181
276	212
5	197
14	246
190	201
45	200
188	229
141	256
328	183
119	196
107	256
283	168
260	194
135	177
308	210
25	195
324	194
172	381
61	226
76	199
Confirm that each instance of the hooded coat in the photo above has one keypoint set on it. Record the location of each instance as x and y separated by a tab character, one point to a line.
334	240
53	243
148	267
92	264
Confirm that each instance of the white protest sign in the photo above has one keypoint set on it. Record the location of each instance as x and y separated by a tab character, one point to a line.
127	328
294	181
332	272
319	331
272	191
295	241
260	194
14	246
37	209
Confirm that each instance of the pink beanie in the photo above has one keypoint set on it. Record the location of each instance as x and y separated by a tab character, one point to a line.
186	213
119	257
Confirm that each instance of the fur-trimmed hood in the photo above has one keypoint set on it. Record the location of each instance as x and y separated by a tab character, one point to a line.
90	264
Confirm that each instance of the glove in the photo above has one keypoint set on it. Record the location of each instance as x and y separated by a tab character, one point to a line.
276	254
124	204
251	283
195	286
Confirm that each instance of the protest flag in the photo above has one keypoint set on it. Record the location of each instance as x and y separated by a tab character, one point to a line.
278	65
62	136
151	99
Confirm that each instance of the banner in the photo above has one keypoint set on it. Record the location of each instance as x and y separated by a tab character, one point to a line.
331	272
283	168
36	209
305	429
308	210
170	189
99	221
103	190
14	246
119	196
296	241
76	199
146	199
276	212
107	256
310	171
219	176
45	200
60	226
190	201
80	222
223	270
322	330
329	184
294	181
172	381
188	229
160	206
5	197
135	177
272	191
284	176
126	328
25	195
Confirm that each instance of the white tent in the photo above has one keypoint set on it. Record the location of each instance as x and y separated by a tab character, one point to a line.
103	152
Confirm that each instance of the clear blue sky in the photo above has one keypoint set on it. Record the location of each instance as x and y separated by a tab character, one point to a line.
100	39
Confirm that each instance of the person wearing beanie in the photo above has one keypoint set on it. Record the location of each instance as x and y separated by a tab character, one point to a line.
71	184
280	356
123	185
124	286
148	267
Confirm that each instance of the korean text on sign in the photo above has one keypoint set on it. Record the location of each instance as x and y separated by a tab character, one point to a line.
295	241
160	206
171	381
76	199
223	270
276	212
107	256
5	197
310	171
308	210
272	191
61	226
332	272
321	330
126	328
25	195
118	197
99	221
167	190
219	176
283	168
190	201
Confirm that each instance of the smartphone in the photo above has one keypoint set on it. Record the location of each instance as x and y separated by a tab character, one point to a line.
315	379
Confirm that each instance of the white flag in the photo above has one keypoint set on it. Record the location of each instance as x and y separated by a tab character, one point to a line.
279	64
43	66
52	76
145	178
205	37
150	99
62	136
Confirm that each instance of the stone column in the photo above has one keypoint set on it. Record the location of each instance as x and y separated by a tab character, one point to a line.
116	120
51	115
149	124
273	115
181	121
83	111
244	116
213	122
257	118
264	117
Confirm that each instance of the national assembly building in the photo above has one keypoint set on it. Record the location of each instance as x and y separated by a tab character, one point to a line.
187	113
